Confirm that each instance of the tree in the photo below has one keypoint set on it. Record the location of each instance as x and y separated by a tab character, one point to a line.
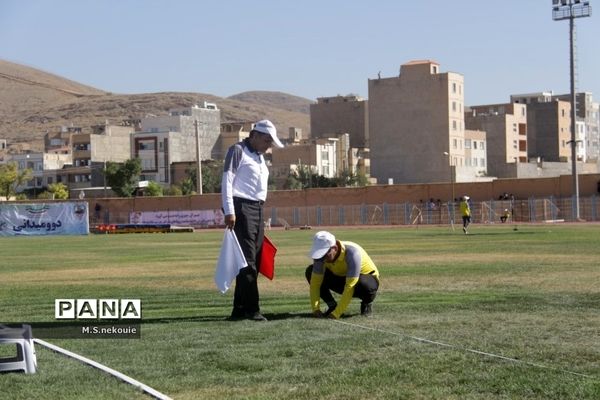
153	190
212	172
11	178
124	178
59	190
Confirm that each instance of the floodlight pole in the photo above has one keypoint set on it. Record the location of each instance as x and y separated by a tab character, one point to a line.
198	160
571	9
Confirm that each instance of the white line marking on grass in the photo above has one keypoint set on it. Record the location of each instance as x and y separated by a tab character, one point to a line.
152	392
481	353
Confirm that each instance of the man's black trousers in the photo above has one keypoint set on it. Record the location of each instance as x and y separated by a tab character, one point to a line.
249	230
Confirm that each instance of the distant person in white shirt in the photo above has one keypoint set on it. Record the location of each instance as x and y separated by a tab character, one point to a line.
243	193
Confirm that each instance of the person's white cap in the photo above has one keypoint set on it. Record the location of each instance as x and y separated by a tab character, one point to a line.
265	126
322	242
466	197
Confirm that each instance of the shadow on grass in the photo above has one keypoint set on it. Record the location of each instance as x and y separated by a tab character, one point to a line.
93	328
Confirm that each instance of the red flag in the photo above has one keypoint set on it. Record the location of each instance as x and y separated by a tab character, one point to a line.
267	258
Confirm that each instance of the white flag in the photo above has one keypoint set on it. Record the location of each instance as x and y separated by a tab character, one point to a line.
231	260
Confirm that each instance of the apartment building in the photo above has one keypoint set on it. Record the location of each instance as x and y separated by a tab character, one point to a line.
548	126
44	168
321	156
414	119
90	152
506	135
341	114
475	154
588	131
60	142
205	120
232	133
159	153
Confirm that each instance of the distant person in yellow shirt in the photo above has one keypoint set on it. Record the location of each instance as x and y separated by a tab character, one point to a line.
505	215
345	268
465	211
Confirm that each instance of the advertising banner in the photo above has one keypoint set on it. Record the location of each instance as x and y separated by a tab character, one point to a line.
183	218
44	219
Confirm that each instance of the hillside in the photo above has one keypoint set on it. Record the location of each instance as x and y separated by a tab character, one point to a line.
33	102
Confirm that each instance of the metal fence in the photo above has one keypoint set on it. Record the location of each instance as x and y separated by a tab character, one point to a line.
487	212
531	210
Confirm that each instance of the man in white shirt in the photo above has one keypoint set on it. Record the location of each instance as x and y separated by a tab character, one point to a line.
243	193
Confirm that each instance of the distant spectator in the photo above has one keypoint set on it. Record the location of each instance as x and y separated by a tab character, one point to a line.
97	209
505	215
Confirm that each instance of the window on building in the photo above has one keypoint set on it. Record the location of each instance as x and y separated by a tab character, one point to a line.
454	106
453	125
468	162
474	161
453	87
474	145
49	180
454	143
482	162
482	145
467	143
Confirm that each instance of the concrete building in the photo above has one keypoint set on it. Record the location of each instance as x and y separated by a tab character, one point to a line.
44	167
413	119
341	114
183	120
232	133
588	115
60	142
90	152
165	157
319	155
475	155
506	135
548	126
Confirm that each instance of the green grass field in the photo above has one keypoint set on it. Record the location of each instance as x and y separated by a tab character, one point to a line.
531	295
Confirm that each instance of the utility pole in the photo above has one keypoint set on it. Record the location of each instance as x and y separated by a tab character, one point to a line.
571	9
198	160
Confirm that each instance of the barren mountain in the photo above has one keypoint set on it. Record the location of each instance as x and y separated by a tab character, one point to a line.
33	102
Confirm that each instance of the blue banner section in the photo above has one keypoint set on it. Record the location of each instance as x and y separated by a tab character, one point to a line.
70	218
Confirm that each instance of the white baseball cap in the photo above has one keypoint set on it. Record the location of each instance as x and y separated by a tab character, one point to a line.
466	197
322	242
265	126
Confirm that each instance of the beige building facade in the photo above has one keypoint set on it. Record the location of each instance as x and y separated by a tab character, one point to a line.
548	126
416	124
506	135
341	114
184	120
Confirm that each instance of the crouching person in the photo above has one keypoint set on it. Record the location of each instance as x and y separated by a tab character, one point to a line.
345	268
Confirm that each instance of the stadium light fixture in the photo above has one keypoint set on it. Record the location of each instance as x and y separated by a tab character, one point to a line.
571	9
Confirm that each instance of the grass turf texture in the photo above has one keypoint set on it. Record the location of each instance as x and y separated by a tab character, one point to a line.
531	294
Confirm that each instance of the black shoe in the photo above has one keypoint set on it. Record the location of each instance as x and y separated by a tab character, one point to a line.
237	314
366	309
329	310
255	316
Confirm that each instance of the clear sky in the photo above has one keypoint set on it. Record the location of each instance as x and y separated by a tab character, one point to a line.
308	48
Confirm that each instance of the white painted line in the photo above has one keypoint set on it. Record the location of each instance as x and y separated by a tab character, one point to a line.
152	392
482	353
